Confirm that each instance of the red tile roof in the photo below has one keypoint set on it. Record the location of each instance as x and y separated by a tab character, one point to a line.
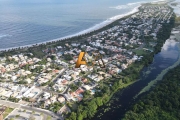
79	91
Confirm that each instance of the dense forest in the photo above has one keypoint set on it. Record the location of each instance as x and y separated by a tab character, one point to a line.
162	103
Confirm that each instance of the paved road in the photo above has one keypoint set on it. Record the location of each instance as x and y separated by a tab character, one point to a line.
66	89
63	70
45	112
46	88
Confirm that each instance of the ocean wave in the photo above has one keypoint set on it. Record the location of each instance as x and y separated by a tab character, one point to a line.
133	4
91	29
129	5
134	8
4	35
159	1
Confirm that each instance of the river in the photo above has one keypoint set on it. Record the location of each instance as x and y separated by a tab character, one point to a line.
124	99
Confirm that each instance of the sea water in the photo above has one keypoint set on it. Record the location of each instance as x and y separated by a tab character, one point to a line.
27	22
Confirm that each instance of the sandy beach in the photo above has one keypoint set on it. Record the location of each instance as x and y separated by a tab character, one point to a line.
94	28
86	31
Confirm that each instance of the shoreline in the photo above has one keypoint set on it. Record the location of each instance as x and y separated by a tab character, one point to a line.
84	32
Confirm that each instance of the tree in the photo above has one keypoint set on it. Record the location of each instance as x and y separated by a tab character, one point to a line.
68	57
99	101
86	94
73	87
72	79
17	116
79	83
72	116
162	102
80	117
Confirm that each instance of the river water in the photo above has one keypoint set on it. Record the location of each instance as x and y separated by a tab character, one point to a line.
124	99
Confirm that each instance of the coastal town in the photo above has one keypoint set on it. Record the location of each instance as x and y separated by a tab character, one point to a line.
51	87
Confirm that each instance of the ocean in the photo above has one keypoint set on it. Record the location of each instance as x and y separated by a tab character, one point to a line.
27	22
176	8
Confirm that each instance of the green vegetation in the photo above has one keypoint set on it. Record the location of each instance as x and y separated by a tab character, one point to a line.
160	76
47	83
132	72
13	99
17	116
72	105
36	50
25	99
88	108
22	82
140	52
73	87
49	118
55	107
7	111
68	57
177	19
162	103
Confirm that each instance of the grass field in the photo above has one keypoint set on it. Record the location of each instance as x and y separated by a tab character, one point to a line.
140	52
7	111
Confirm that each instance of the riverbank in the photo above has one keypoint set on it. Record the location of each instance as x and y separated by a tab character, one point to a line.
108	105
174	40
123	99
160	76
162	103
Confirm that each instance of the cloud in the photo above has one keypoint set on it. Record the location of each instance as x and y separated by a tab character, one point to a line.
168	44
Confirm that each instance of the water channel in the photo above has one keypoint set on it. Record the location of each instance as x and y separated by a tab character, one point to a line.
124	99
